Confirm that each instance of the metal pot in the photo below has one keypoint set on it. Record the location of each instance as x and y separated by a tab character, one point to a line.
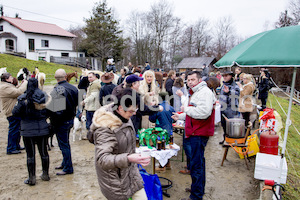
235	128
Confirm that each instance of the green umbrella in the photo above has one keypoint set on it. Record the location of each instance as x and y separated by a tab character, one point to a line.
274	48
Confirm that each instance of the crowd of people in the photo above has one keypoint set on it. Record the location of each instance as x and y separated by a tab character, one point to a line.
115	113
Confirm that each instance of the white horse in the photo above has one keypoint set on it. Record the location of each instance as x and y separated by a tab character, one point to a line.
2	70
116	78
41	77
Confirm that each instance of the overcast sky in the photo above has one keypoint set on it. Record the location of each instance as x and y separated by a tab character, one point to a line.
249	16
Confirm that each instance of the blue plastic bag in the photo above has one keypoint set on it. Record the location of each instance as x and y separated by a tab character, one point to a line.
151	184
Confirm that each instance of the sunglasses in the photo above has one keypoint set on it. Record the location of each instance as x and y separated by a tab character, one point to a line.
132	111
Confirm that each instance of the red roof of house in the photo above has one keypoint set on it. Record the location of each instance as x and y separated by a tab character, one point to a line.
37	27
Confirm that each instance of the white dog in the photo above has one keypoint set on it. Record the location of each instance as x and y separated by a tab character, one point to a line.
79	126
2	70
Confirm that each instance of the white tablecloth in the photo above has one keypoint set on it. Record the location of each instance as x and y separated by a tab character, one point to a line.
163	155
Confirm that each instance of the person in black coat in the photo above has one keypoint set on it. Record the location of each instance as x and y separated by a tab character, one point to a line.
169	84
83	83
106	89
34	128
263	88
110	66
123	73
62	118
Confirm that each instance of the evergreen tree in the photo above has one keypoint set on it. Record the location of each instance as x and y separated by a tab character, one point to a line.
103	36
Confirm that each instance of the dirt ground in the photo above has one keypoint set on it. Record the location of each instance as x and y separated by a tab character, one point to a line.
232	181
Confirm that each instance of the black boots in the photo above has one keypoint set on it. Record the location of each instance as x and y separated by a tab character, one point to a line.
31	171
45	165
30	181
45	176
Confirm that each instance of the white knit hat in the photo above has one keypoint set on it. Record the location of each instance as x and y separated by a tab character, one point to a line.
111	60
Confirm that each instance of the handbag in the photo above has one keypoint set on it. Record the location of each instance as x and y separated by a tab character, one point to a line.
152	185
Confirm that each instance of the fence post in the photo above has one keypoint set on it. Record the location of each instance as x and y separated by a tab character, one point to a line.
288	89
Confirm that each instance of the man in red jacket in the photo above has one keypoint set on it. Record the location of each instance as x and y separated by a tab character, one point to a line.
199	125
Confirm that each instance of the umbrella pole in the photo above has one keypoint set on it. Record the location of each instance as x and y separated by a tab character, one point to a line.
287	124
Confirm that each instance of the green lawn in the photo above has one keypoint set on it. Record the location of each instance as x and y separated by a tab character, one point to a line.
14	64
293	146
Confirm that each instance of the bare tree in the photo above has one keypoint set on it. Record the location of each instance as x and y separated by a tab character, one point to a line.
77	42
201	36
224	37
160	20
174	44
196	39
140	37
294	7
187	41
285	20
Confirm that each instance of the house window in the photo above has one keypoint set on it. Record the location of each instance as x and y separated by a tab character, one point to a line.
9	45
64	54
31	44
1	28
81	55
45	43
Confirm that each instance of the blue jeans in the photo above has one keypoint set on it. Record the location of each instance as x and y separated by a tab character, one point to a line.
62	133
89	118
13	140
197	144
187	150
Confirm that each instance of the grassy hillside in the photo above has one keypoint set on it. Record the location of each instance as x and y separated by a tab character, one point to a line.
293	148
14	64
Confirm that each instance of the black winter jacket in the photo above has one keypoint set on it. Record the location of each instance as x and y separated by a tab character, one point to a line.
169	85
143	110
263	87
32	123
110	68
105	90
70	93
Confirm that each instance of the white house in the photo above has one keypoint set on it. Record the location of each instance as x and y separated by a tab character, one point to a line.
37	40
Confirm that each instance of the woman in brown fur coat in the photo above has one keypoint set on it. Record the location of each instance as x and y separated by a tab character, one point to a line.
246	98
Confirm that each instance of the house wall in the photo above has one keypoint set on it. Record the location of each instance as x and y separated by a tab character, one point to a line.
17	32
57	44
46	54
3	44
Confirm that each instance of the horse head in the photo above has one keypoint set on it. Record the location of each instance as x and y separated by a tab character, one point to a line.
76	75
37	70
137	69
26	71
